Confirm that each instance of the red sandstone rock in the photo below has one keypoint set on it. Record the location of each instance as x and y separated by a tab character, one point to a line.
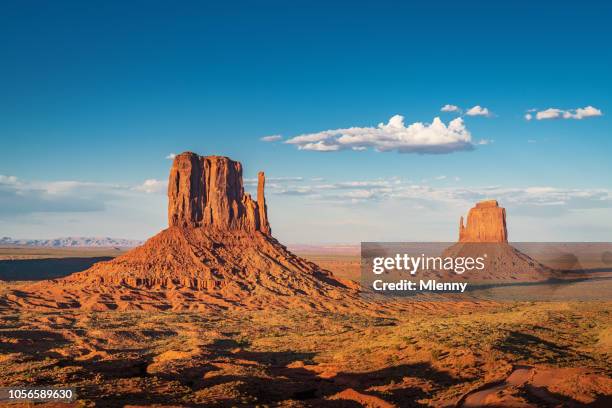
217	253
261	201
208	191
486	222
485	233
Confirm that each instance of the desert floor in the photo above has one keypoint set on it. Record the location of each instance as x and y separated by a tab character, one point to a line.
442	354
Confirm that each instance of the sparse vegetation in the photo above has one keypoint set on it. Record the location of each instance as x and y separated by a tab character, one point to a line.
438	355
433	355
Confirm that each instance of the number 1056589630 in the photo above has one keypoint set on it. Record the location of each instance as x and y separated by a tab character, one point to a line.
24	394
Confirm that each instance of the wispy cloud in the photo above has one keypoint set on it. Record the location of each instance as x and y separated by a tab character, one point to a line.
26	197
450	108
8	180
555	113
422	138
20	197
152	186
524	200
271	138
171	156
478	111
272	182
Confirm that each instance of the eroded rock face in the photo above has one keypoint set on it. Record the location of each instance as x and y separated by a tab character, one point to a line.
486	222
208	191
216	254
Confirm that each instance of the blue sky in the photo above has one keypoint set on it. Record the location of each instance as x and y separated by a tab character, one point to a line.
93	98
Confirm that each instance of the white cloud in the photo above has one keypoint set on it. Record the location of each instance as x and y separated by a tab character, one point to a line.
579	113
418	137
478	111
484	142
152	186
66	196
475	110
319	146
586	112
284	179
171	156
271	138
450	108
550	113
528	116
21	197
37	208
8	179
524	200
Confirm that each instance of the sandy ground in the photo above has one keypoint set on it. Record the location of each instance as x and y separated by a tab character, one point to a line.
512	354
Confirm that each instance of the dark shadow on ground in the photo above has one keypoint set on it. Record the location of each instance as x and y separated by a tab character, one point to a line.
227	373
47	268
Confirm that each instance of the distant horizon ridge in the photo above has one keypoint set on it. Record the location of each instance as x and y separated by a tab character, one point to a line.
72	242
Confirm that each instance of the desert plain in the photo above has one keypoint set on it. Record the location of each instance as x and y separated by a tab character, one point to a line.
519	354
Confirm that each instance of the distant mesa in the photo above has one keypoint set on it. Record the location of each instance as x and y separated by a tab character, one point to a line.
486	222
485	233
217	253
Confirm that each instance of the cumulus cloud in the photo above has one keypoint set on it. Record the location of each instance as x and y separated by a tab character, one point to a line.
171	156
586	112
450	108
152	186
271	138
478	111
555	113
475	110
550	113
418	137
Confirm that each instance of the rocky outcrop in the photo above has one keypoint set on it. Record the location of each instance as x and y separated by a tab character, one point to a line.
486	222
485	235
207	191
264	225
217	253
